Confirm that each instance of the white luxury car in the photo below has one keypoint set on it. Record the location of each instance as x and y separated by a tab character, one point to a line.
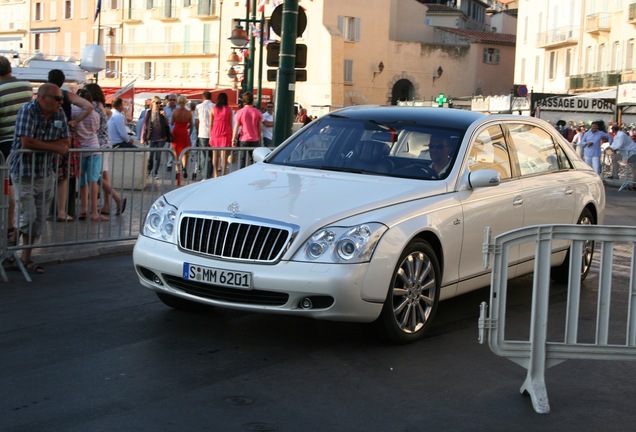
368	214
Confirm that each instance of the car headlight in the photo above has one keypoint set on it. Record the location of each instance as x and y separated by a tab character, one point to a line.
342	244
160	221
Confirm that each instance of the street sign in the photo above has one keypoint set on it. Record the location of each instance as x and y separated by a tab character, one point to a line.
301	75
276	21
520	90
441	100
273	53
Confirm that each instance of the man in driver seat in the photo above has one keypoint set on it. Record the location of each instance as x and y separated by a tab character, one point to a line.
440	150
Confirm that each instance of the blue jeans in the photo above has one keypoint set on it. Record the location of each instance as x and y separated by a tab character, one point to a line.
154	158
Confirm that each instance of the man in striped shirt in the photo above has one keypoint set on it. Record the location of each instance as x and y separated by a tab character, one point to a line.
13	94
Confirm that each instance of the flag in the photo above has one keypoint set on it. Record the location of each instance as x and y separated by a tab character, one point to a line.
99	8
261	5
127	93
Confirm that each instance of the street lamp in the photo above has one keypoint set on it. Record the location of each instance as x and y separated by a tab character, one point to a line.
240	38
233	59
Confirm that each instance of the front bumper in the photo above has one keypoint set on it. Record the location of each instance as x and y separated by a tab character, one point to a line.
334	290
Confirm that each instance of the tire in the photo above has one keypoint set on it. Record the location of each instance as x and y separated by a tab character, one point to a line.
181	304
561	273
413	296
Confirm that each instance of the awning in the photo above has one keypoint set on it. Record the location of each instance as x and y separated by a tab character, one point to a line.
602	94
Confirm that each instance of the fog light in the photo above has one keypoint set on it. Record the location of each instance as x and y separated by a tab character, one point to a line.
157	280
306	303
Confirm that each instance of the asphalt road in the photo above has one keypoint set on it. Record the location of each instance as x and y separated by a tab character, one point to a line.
86	348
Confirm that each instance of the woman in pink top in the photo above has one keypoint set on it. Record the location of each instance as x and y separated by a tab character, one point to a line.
250	121
220	133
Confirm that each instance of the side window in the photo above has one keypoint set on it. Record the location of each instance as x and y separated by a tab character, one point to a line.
535	148
489	151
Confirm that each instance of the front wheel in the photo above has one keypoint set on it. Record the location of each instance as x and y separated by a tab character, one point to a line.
561	273
413	296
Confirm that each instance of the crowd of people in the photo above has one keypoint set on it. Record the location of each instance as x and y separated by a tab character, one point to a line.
173	123
50	122
600	144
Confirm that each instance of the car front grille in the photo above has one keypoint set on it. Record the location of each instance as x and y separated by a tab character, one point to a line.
230	295
237	239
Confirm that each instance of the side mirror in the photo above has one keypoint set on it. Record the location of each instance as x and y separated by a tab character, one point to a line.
260	154
484	178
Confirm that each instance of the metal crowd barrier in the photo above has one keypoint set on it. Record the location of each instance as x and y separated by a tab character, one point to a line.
127	168
611	337
626	171
5	253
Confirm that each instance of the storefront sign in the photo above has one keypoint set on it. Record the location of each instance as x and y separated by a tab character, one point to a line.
578	104
626	94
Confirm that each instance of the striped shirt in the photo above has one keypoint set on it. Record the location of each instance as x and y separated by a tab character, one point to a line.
13	95
31	123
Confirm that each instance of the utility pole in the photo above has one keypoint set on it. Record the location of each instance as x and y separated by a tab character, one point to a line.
286	78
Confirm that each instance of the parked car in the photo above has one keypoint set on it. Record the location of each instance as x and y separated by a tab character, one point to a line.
369	214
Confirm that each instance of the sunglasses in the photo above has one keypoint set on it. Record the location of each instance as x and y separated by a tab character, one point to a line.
172	100
56	97
157	103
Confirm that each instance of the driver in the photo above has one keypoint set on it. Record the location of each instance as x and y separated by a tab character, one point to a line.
440	150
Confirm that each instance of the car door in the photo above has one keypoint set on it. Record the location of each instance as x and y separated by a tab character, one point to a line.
546	178
499	207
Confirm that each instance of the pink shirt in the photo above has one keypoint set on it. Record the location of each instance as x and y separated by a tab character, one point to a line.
249	118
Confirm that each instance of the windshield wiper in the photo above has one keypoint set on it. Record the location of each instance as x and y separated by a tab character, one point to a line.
343	169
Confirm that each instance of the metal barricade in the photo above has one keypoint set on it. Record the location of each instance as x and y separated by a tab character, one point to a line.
577	337
5	254
128	176
201	161
617	166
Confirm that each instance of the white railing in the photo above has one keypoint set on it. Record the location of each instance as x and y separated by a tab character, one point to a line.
611	337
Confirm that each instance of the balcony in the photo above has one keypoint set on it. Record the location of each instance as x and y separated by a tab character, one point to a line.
165	13
597	23
595	80
133	16
164	49
203	10
631	14
558	37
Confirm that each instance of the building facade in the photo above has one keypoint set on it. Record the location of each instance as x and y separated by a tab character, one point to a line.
359	51
575	46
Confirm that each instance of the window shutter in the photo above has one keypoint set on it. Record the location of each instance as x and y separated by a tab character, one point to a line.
341	24
357	29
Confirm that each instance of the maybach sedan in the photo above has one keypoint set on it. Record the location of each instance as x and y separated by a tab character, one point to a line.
368	214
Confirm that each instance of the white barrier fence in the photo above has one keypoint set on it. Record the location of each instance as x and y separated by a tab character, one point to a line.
611	336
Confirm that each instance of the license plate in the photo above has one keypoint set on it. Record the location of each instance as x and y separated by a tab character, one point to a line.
215	276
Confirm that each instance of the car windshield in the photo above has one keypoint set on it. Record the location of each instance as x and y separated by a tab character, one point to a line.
397	149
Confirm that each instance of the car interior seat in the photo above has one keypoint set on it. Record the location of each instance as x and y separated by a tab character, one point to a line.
371	156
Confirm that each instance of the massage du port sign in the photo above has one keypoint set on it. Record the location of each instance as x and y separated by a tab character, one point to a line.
576	104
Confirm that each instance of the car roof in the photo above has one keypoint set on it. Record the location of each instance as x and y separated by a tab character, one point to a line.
439	117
